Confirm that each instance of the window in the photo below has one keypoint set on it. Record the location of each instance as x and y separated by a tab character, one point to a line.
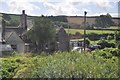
14	47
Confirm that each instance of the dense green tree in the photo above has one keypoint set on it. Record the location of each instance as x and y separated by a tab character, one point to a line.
6	17
42	32
14	22
104	21
58	18
11	20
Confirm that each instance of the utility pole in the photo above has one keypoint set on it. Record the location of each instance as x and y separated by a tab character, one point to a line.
85	29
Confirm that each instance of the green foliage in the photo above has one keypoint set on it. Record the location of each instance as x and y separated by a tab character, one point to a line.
6	17
118	46
98	64
17	66
73	31
11	20
58	18
87	42
113	51
104	43
104	21
110	37
42	32
117	35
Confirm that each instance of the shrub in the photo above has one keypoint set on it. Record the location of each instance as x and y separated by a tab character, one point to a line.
93	36
105	43
110	37
61	65
118	46
113	51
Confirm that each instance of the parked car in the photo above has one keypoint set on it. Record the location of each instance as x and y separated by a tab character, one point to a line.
77	49
5	48
80	49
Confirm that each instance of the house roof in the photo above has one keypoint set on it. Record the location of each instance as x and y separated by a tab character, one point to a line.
8	34
12	36
58	29
19	31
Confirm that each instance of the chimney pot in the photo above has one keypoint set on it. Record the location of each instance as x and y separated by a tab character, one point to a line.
23	11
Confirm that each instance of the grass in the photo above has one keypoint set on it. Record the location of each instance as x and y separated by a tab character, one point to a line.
73	31
114	27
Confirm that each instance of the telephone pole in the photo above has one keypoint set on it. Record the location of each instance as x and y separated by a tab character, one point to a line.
85	29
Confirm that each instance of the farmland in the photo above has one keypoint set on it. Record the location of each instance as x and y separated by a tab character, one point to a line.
73	31
97	64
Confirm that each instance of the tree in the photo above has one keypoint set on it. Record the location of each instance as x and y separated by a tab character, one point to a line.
42	32
6	17
104	21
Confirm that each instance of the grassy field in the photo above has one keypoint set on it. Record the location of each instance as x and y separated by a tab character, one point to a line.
73	31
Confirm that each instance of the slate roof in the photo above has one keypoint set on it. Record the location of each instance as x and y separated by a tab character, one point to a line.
58	29
8	34
19	31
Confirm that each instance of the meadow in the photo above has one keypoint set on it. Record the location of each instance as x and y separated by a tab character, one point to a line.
96	64
73	31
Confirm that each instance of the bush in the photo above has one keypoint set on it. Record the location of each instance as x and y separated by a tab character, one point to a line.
113	51
105	43
61	65
110	37
118	46
93	36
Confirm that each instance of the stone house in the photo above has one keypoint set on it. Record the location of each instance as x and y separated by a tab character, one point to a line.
16	42
13	35
62	40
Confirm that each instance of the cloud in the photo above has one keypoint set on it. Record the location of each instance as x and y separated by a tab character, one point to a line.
62	7
68	7
16	6
100	3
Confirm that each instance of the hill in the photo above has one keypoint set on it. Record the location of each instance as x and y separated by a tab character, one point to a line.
74	21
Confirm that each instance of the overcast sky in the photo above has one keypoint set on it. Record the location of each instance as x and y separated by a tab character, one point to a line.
60	7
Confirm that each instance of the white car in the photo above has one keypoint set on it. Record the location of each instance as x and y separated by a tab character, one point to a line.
5	47
79	49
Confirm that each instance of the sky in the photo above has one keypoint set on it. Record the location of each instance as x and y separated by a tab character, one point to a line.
60	7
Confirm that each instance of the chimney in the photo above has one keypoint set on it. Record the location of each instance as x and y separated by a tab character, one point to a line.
23	11
23	21
3	28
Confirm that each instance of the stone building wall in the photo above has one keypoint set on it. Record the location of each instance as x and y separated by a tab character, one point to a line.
63	40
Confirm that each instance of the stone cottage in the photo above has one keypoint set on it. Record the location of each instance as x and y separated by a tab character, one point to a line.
13	35
62	40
